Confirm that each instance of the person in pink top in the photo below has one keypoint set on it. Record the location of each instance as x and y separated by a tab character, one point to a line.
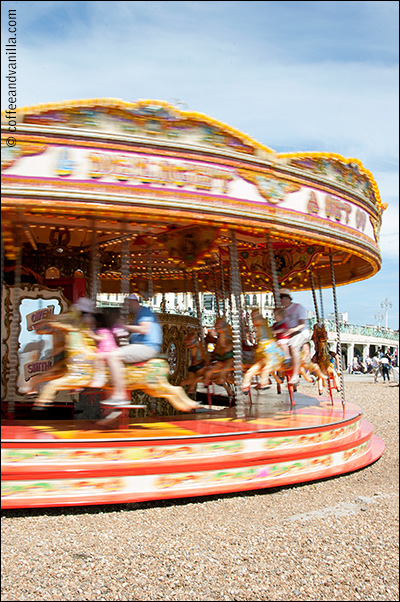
102	332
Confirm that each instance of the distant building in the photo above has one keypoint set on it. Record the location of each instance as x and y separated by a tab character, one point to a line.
343	317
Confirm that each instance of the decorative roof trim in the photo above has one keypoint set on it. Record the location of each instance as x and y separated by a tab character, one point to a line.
131	107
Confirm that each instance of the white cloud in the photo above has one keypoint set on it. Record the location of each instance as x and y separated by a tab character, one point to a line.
388	184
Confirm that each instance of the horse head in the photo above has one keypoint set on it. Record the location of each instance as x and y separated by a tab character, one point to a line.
192	340
319	335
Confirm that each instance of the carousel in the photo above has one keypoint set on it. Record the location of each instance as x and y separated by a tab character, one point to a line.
106	196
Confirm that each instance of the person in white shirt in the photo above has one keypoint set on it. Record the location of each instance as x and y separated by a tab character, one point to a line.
376	367
296	320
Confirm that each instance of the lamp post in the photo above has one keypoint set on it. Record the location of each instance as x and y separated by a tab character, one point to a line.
386	303
379	317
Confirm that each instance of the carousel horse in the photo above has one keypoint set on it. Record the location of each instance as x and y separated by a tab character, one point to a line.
218	367
220	371
324	358
199	361
270	358
81	368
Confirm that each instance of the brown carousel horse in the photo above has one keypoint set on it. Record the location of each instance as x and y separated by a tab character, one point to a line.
199	361
217	368
80	367
324	359
270	359
221	367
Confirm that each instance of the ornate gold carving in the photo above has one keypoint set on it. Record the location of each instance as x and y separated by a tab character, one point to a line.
271	188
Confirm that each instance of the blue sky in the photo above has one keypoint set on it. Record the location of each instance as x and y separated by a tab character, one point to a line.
297	76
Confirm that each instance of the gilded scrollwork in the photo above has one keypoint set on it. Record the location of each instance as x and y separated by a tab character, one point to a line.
271	188
27	291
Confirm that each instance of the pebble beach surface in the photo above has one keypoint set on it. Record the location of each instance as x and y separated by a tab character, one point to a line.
335	539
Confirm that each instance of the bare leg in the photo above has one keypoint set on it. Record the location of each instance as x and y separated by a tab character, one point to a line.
285	349
50	389
251	372
117	375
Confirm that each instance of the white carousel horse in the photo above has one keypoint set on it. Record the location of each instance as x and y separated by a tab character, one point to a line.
81	368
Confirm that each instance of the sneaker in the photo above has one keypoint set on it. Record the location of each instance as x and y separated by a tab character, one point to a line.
108	419
116	402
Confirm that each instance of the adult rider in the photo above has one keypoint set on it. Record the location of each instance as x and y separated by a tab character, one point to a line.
144	343
296	320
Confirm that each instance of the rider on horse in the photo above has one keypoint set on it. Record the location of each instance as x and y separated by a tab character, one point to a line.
144	343
296	320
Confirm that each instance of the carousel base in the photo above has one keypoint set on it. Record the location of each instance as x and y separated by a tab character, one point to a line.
70	463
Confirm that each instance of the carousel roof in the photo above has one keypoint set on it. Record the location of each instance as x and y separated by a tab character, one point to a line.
170	185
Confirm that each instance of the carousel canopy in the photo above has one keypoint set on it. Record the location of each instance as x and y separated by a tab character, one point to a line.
103	178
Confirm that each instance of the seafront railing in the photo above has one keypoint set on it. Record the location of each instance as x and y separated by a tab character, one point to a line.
368	331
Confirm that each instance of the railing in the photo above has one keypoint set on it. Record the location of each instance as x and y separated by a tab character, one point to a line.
208	320
368	331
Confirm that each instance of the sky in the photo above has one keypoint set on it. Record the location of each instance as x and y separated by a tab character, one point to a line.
295	76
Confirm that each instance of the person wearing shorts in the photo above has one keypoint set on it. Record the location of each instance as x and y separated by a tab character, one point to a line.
296	320
145	342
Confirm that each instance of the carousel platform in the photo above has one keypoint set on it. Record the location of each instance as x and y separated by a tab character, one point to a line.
77	462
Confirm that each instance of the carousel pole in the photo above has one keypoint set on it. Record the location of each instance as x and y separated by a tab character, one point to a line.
150	277
321	299
185	287
221	272
125	275
94	266
314	298
163	305
339	346
230	290
150	289
14	333
247	316
216	293
241	312
236	328
198	311
272	263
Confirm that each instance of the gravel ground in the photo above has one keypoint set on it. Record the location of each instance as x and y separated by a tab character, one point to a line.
335	539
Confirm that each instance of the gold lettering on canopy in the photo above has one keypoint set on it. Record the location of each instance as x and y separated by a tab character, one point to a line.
125	168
